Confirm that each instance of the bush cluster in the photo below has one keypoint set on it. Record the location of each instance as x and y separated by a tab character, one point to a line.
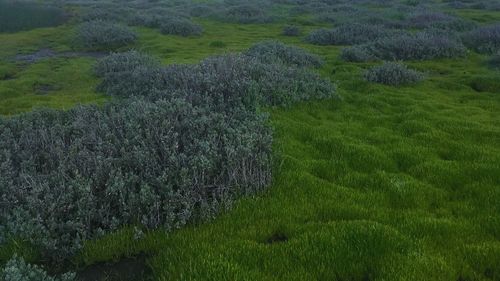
168	23
427	19
393	74
347	34
419	46
277	81
103	36
246	13
484	39
357	53
180	26
17	269
176	150
277	52
291	30
24	15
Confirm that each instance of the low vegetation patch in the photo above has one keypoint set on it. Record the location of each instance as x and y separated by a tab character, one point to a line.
103	36
347	34
484	39
291	30
180	26
17	16
277	52
393	74
186	140
438	20
419	46
17	269
485	83
246	13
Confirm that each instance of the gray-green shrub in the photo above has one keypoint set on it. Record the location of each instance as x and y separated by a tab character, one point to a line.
17	269
181	27
103	36
393	74
162	156
484	39
277	52
347	34
419	46
246	13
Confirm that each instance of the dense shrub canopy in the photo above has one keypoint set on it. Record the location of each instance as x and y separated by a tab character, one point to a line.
185	140
419	46
180	26
275	51
429	19
246	13
394	74
271	82
102	35
347	34
484	39
17	269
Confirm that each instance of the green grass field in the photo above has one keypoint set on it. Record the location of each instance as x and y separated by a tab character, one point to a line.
388	184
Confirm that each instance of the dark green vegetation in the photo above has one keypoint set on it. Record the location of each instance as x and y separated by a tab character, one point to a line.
17	16
391	183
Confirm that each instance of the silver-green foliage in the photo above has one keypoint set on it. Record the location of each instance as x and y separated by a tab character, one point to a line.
68	176
277	52
103	36
17	269
181	27
484	39
418	46
276	81
347	34
394	74
184	141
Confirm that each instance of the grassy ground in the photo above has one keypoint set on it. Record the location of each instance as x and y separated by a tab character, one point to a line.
390	184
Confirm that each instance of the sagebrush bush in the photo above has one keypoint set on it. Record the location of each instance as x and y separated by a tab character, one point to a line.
428	19
17	269
347	34
181	144
394	74
357	54
484	39
246	13
104	36
180	26
156	164
277	52
419	46
246	74
291	30
113	14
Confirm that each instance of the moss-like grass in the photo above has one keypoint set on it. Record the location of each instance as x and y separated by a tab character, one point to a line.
390	184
